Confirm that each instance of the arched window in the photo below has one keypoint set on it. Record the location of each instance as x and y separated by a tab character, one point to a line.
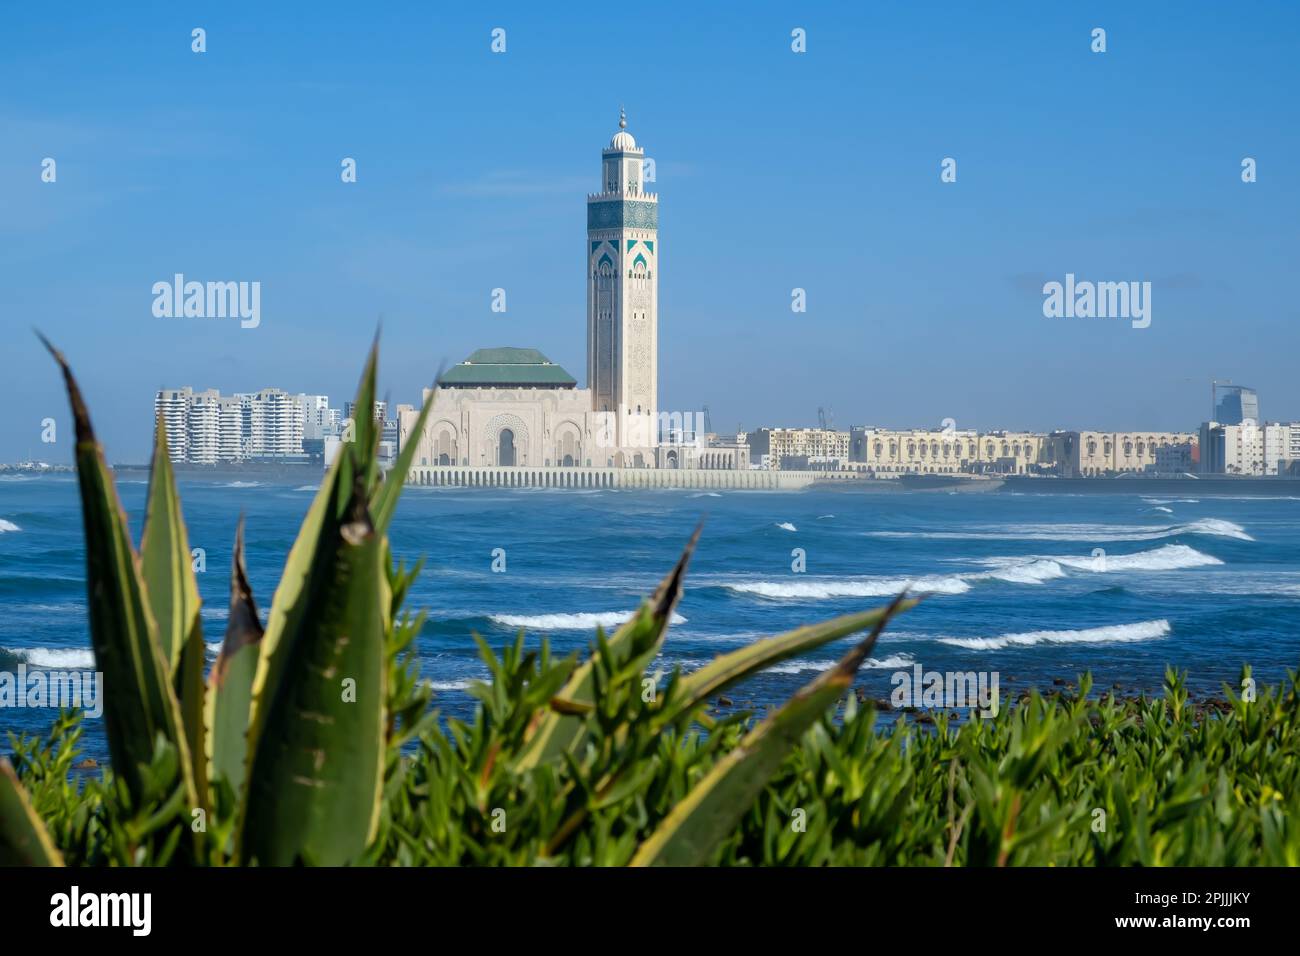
506	448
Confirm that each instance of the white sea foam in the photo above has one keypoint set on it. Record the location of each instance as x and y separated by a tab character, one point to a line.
569	622
241	484
1032	572
1167	511
1169	557
706	494
787	526
1111	634
447	684
307	488
67	658
1036	568
871	663
824	517
848	587
1079	532
8	526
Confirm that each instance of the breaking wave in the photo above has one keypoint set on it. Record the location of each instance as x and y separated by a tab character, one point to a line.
876	587
569	622
60	658
1081	532
447	684
787	526
8	526
1112	634
1169	557
797	667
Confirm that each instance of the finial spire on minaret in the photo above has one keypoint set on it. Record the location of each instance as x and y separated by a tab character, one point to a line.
622	118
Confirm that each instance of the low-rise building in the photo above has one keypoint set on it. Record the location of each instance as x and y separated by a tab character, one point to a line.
1090	454
889	452
1249	448
799	448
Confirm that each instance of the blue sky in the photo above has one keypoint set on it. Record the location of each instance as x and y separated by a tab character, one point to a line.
775	170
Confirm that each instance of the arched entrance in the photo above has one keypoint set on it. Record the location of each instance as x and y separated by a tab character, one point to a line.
506	448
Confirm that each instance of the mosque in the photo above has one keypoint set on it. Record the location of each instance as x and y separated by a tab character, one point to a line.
515	408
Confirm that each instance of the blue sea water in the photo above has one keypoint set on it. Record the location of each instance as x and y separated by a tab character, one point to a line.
1019	583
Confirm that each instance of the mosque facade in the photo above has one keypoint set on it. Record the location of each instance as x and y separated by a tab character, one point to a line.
513	407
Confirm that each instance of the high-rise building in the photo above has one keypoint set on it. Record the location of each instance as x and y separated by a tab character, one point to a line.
316	415
1236	404
273	424
204	428
173	406
208	427
380	411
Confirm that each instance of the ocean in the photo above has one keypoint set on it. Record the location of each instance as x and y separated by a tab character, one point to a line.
1037	587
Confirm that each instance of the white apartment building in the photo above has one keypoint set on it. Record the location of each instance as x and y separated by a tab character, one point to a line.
273	423
173	406
801	447
317	416
1248	448
207	427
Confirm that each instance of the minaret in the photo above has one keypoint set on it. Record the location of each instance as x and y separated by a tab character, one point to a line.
623	300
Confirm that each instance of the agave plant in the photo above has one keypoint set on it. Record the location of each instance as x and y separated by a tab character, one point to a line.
285	752
287	736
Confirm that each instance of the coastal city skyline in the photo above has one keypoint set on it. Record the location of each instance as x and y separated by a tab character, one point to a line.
933	312
658	437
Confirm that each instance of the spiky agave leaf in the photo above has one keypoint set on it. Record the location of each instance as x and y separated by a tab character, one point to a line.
140	702
165	556
697	826
726	669
168	571
289	603
230	687
315	781
329	610
560	728
384	501
24	840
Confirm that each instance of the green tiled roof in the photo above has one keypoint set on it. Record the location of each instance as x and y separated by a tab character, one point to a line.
506	367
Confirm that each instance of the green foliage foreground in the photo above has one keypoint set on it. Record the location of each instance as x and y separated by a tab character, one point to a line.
313	741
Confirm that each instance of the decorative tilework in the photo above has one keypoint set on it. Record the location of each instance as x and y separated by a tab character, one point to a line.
623	214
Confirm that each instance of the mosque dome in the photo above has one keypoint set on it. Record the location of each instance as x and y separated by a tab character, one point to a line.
622	139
